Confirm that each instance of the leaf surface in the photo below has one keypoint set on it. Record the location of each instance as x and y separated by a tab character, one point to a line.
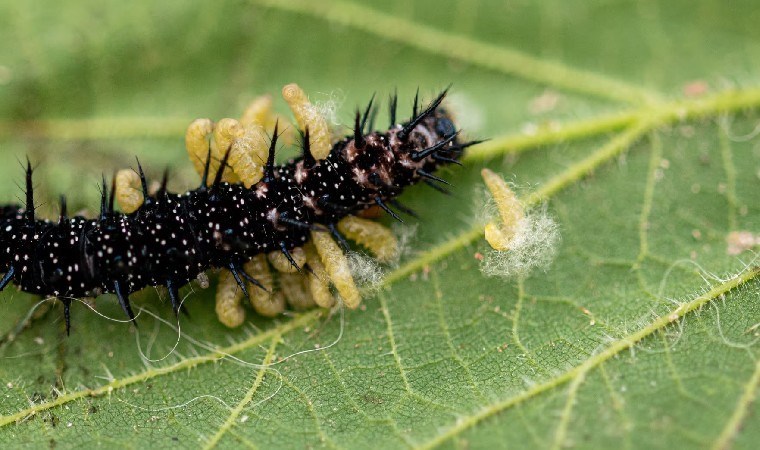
635	123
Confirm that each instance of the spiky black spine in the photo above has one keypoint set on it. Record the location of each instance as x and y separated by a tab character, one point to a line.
172	237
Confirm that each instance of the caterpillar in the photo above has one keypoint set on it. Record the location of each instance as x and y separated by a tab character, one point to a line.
248	214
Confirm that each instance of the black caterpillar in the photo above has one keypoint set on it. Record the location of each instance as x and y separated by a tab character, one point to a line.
172	238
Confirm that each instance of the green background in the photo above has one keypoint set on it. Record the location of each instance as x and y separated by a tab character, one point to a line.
635	121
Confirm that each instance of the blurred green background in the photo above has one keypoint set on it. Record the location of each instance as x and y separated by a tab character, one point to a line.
634	120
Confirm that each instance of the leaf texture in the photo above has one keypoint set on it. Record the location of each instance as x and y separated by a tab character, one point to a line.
634	124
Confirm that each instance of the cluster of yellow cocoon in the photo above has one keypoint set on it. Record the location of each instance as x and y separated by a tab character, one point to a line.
248	143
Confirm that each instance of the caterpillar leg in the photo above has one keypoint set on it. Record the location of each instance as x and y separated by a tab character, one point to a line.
511	212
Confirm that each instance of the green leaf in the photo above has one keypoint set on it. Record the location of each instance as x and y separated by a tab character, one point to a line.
634	122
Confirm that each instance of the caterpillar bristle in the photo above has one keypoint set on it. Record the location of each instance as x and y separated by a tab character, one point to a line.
308	158
358	133
62	215
143	180
424	153
444	159
417	118
204	176
173	296
339	237
251	279
286	252
112	196
416	102
403	208
392	106
29	214
236	274
123	298
269	169
373	118
298	224
7	277
66	314
440	189
366	114
164	183
432	177
325	202
385	207
222	167
465	145
103	199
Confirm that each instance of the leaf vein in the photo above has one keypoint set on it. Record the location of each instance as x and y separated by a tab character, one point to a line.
560	435
235	412
741	411
449	342
446	44
154	372
615	348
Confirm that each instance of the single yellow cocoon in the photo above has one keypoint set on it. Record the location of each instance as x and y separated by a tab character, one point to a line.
197	143
376	237
129	192
336	266
309	117
228	300
510	210
265	302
